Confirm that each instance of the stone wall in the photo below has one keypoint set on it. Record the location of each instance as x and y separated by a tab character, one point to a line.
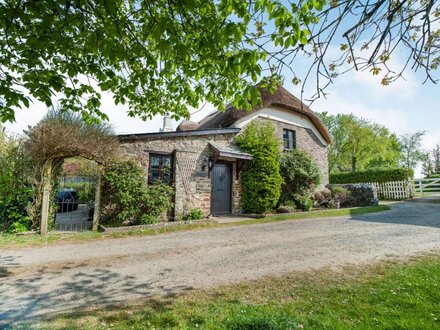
190	180
305	140
361	194
191	153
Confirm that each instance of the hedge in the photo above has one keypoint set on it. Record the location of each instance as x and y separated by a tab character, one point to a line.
397	174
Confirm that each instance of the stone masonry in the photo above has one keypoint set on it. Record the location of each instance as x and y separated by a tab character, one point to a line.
190	169
191	155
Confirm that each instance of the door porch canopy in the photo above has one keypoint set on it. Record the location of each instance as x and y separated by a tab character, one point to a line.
231	153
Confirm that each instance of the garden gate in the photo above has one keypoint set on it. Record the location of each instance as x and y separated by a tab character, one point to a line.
75	203
427	186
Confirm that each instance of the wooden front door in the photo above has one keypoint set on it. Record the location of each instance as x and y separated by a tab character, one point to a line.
221	189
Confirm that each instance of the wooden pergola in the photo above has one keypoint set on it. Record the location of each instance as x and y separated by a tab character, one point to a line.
62	135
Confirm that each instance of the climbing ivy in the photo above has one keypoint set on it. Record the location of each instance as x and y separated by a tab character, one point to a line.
261	180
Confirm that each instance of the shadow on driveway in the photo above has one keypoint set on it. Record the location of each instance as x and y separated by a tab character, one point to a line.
28	299
418	212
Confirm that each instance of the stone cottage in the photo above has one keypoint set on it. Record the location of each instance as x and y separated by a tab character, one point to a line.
203	165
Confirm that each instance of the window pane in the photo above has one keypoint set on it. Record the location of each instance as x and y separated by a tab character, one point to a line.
160	168
154	175
166	161
285	139
290	134
154	162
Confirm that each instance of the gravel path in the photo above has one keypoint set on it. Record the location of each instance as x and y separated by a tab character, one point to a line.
35	282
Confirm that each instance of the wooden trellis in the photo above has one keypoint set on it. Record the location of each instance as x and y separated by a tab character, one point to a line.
186	166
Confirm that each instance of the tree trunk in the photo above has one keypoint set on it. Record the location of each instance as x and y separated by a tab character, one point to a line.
353	163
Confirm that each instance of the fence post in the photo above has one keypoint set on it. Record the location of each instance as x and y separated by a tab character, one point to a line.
421	186
410	188
47	185
97	206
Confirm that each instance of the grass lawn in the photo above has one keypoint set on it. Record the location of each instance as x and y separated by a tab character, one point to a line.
14	241
392	295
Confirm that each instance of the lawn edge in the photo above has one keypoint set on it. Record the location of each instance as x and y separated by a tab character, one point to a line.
86	237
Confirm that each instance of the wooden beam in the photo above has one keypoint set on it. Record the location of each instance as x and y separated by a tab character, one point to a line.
97	206
47	187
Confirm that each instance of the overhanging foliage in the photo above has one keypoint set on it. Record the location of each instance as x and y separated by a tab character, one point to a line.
165	55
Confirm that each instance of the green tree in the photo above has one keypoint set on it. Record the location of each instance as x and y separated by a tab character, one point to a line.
431	161
359	144
4	140
411	149
261	181
167	55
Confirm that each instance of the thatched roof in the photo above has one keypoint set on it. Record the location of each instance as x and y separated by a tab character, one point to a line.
281	98
187	125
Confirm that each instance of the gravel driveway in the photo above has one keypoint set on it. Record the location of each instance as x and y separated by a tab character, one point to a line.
36	282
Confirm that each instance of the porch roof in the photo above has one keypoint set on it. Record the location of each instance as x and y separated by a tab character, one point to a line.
230	151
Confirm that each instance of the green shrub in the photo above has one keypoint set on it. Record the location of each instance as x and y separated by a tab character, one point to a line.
301	174
303	203
147	219
287	207
261	180
127	199
16	191
397	174
194	214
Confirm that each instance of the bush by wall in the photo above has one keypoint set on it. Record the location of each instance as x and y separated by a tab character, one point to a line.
301	174
261	181
16	190
127	200
397	174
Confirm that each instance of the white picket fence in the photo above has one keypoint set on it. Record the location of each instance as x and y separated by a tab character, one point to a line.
427	186
394	190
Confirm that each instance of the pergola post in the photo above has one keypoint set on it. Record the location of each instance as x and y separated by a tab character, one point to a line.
97	206
47	184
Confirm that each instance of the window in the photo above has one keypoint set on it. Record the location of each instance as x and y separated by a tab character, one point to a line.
161	168
289	139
